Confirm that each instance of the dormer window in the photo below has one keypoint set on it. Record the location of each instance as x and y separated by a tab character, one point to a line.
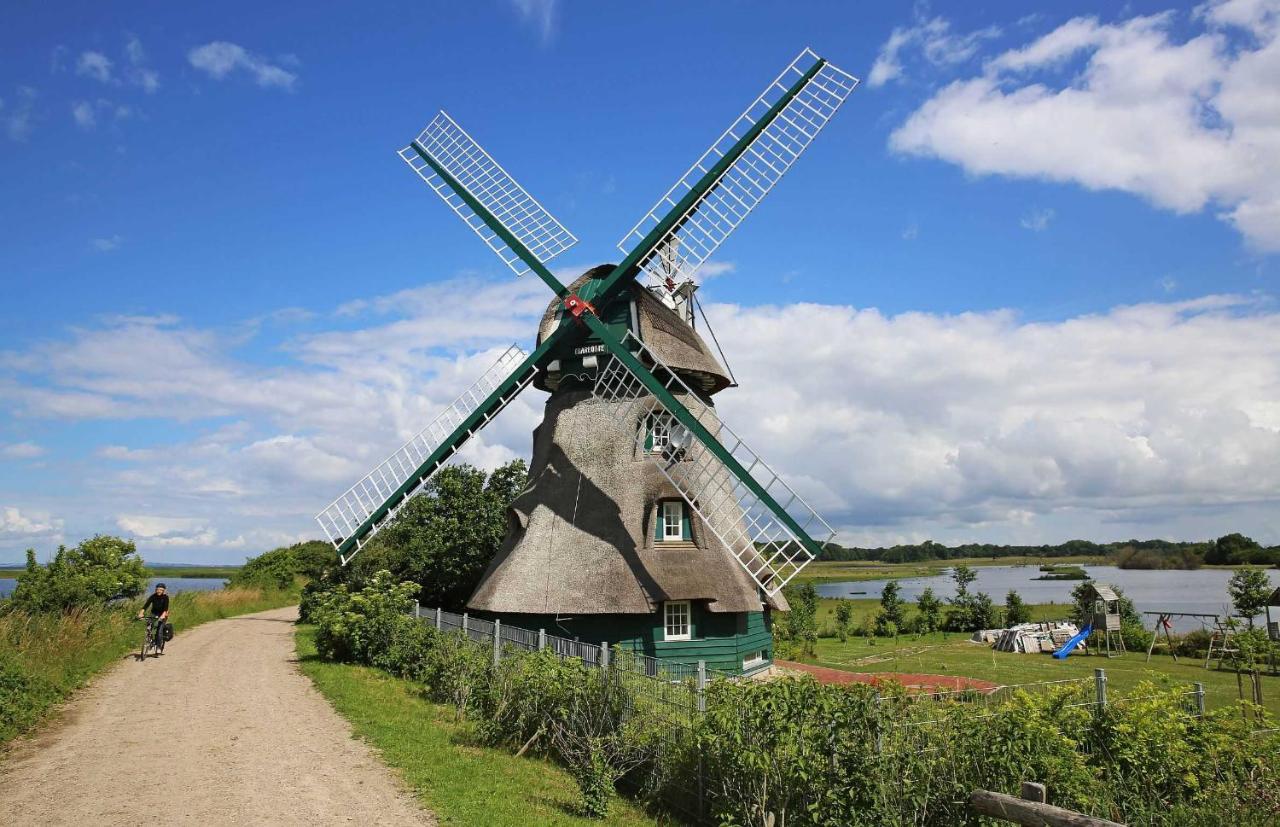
672	523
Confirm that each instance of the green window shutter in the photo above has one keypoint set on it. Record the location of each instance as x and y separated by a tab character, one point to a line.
657	523
648	434
685	534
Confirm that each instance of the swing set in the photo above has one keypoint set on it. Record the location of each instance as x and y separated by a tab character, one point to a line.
1220	628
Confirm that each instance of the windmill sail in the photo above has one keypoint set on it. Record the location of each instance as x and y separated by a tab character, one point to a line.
459	169
352	519
773	547
779	138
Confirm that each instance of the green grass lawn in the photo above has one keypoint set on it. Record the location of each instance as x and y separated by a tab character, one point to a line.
458	780
953	654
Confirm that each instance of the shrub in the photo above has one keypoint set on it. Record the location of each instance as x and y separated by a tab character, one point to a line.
359	627
97	570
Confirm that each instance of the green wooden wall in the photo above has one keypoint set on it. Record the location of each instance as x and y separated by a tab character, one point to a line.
719	638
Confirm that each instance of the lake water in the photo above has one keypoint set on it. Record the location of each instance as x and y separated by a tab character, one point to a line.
173	585
1203	590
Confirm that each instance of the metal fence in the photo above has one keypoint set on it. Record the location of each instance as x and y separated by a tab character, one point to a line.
674	690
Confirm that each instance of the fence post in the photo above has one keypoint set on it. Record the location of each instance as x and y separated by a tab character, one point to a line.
702	686
416	608
542	639
604	654
497	641
438	623
879	723
1100	684
464	624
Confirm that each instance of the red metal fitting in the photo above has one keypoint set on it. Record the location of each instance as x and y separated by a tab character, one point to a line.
575	306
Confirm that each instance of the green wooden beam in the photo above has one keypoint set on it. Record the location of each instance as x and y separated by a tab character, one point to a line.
630	265
687	419
494	224
447	448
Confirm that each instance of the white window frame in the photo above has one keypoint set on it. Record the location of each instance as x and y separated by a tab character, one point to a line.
665	513
683	611
659	433
753	660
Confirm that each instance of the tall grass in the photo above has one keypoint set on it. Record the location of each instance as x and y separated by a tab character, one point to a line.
44	657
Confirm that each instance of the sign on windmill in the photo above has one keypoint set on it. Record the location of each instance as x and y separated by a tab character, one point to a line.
631	384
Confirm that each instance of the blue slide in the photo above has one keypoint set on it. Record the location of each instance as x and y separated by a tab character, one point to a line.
1070	645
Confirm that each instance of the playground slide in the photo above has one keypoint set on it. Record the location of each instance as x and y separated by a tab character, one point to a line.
1070	645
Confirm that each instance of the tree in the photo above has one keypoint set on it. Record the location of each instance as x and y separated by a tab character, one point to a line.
97	570
276	569
844	619
801	623
1249	590
963	577
892	608
1232	548
1015	611
930	609
969	612
444	538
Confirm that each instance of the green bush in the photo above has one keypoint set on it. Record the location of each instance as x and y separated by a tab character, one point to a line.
97	570
797	752
281	567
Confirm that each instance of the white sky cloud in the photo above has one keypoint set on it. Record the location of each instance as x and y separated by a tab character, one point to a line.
933	40
220	59
1189	123
17	113
1037	220
94	65
20	527
1156	419
540	15
107	244
21	450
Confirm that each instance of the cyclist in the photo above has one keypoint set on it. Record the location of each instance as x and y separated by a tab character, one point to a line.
158	603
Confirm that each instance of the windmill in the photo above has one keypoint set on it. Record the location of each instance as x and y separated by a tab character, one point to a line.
647	521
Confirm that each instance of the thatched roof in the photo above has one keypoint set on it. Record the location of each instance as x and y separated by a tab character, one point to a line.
662	329
581	535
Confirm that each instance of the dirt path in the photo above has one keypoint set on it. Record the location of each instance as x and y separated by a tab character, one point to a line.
222	729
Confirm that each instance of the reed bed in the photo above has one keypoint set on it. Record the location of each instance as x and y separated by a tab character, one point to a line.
44	657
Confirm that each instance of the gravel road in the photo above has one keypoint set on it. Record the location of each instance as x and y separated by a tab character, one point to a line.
221	729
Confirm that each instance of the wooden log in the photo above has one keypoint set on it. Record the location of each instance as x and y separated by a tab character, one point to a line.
1032	791
1031	813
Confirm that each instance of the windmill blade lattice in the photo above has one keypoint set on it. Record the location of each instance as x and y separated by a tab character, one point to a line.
740	187
369	504
455	153
770	550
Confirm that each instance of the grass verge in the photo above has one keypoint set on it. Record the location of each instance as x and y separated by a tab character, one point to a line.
460	781
44	658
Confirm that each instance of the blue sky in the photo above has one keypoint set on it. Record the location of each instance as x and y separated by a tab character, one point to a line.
208	239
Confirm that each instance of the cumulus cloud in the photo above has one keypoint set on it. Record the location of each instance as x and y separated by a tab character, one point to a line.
107	244
1188	123
29	526
95	65
1150	419
933	40
980	425
140	74
167	531
220	59
20	450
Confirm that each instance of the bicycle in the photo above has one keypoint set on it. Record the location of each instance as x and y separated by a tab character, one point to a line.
152	638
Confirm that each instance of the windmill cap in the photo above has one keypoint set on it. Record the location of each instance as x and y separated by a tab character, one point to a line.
663	331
